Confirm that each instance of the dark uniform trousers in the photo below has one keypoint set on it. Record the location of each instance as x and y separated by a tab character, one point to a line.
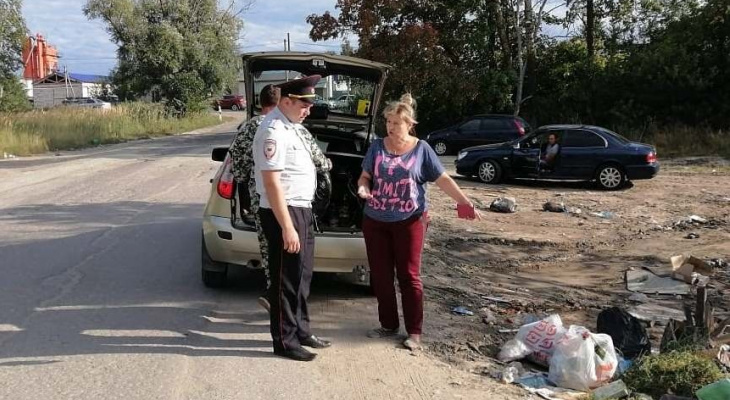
291	275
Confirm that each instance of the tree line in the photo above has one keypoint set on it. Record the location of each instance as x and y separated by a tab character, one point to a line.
638	66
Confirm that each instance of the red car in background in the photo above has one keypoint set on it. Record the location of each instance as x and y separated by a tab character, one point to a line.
231	101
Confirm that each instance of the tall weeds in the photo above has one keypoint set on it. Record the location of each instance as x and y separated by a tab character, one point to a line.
66	128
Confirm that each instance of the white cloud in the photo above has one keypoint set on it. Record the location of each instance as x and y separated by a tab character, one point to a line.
83	45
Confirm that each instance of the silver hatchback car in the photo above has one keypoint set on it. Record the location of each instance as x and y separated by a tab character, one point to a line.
229	239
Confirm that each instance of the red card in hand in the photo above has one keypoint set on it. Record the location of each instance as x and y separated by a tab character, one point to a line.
465	211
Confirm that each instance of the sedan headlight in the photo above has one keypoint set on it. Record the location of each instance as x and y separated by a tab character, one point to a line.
461	155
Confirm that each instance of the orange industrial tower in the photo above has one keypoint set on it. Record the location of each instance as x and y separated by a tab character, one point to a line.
39	58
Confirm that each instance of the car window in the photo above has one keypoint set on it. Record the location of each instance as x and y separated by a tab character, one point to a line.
581	138
470	126
618	137
493	124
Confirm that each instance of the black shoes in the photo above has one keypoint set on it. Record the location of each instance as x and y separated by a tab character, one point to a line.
297	354
315	342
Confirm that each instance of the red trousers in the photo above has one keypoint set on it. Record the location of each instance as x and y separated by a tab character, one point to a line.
394	250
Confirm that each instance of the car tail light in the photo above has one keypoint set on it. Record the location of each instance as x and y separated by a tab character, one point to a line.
520	127
226	183
651	158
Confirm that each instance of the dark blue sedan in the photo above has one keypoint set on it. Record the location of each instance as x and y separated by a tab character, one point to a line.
584	153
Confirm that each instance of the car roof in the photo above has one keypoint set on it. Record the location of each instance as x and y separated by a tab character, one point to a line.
568	126
494	116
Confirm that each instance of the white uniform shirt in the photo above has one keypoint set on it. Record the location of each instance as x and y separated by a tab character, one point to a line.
277	147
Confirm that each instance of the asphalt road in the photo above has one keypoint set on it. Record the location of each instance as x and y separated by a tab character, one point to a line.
101	298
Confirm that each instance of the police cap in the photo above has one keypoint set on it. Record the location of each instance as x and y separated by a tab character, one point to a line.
300	89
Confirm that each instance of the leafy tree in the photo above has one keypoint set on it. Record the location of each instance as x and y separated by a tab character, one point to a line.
179	52
441	51
12	34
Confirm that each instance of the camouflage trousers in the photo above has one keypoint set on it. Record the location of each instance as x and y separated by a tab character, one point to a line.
263	243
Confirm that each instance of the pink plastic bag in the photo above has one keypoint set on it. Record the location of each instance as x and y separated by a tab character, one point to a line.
535	341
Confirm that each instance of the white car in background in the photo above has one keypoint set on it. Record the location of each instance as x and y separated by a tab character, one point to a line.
87	102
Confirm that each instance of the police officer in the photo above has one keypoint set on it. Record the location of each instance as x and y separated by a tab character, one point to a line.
286	181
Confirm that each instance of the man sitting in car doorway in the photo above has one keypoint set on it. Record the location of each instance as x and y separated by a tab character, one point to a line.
550	153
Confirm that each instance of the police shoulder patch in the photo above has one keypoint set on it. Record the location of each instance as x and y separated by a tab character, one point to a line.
269	148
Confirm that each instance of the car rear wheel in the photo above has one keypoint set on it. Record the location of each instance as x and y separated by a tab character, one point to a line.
234	107
489	172
213	273
611	177
440	148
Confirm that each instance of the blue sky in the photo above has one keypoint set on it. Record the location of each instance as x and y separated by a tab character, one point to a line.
85	46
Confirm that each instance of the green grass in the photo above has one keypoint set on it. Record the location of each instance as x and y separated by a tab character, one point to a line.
72	128
678	372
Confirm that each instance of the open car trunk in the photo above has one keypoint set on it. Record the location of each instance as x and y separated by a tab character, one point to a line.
344	133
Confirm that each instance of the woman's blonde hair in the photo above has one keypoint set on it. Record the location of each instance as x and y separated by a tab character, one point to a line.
404	108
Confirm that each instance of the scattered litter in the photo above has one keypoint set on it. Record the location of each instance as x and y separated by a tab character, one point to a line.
623	365
628	334
509	330
646	282
536	341
692	236
582	360
614	390
556	393
554	207
639	298
604	214
641	396
575	211
719	390
504	205
461	310
510	373
697	219
718	263
673	397
690	269
723	356
656	313
534	380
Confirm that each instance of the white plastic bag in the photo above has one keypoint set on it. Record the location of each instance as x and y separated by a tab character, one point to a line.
535	341
583	360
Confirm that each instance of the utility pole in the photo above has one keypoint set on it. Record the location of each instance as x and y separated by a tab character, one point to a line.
287	47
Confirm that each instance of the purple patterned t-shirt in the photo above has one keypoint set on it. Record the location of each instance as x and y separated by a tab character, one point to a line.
399	182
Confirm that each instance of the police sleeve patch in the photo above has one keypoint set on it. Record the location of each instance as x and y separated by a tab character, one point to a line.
269	148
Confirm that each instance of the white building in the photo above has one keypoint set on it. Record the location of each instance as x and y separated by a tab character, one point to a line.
56	87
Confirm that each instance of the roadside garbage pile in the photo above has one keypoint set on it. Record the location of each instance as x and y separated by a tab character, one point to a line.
617	360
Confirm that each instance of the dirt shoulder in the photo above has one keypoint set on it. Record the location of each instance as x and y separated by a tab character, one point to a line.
541	263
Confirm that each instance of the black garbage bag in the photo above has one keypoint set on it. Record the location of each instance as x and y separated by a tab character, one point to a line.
323	194
628	334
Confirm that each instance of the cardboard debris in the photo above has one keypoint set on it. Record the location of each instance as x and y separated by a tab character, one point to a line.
656	313
686	268
643	281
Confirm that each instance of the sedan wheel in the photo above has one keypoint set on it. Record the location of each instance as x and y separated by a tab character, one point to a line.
611	177
440	148
489	172
234	107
